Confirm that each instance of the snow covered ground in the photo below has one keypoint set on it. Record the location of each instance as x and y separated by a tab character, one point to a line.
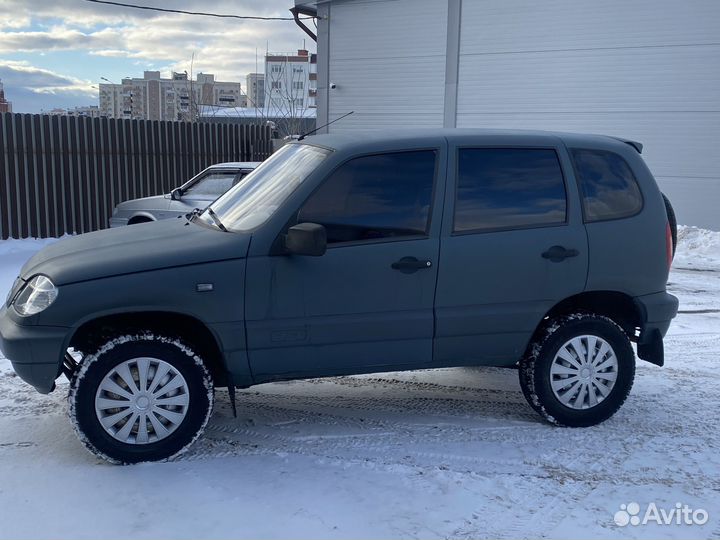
453	453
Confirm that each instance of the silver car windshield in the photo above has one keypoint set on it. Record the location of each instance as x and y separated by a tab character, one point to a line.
213	184
253	201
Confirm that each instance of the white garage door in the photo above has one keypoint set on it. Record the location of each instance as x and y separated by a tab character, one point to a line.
647	70
387	60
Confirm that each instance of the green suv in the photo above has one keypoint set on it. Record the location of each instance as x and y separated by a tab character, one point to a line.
354	254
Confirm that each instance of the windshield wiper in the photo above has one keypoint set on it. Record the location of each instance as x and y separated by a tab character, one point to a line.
216	219
190	216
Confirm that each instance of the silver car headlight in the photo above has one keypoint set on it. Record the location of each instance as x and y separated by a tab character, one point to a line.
36	296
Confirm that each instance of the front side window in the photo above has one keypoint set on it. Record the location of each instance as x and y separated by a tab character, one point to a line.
608	185
254	200
508	188
213	184
375	197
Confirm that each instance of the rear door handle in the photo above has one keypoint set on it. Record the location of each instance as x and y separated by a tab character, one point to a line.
559	253
409	265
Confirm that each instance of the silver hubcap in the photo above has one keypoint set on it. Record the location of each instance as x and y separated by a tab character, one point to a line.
142	401
583	372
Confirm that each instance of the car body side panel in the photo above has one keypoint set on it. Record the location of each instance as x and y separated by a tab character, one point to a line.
172	290
347	311
343	312
495	287
629	254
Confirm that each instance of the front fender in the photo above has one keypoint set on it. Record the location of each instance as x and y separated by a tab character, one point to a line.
171	290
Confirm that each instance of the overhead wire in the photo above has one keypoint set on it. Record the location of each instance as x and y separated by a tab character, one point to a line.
198	13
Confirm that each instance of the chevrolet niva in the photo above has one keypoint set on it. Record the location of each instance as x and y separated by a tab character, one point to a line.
347	254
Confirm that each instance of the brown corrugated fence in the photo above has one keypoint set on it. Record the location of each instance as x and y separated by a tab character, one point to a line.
64	175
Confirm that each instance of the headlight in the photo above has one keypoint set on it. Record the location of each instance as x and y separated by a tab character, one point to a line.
36	296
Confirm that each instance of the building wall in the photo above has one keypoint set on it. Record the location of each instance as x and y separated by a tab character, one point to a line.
255	88
646	70
387	61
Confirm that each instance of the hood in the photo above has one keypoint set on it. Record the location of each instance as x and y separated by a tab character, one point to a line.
145	203
137	248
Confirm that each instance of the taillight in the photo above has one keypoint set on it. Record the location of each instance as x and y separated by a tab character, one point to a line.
668	244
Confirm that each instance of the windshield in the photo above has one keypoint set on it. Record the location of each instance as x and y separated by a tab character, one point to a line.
213	184
252	202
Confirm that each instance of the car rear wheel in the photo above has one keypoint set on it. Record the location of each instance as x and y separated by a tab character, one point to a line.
579	371
140	398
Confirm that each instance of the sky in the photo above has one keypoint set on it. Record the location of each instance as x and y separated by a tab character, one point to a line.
53	52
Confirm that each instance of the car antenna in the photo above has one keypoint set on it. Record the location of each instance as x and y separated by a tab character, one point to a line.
301	137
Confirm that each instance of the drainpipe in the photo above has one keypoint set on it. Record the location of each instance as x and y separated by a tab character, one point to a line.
297	11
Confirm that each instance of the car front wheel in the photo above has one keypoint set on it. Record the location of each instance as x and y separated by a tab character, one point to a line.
140	398
579	371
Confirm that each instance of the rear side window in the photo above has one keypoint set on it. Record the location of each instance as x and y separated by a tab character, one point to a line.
608	185
508	188
375	197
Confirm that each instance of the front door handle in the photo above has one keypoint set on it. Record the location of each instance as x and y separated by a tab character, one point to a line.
559	253
408	265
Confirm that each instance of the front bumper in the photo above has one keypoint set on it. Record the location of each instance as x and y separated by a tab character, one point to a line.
657	311
36	352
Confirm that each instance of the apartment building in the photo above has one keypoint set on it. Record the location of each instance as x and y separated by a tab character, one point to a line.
5	105
177	98
89	111
290	81
255	88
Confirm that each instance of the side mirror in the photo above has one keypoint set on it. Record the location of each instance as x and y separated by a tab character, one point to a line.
306	239
176	194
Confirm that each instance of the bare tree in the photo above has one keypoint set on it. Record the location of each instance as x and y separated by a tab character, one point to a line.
286	96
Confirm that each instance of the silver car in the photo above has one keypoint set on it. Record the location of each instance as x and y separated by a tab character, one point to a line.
198	192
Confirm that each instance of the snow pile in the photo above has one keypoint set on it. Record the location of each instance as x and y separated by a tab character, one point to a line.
28	246
697	249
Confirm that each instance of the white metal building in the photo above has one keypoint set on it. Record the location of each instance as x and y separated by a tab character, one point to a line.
647	70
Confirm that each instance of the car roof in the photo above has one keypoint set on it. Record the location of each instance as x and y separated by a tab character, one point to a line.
235	165
341	141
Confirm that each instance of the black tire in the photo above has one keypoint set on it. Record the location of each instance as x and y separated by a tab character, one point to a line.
535	375
672	220
198	392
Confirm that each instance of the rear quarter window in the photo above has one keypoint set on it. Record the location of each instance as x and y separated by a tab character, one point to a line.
608	185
